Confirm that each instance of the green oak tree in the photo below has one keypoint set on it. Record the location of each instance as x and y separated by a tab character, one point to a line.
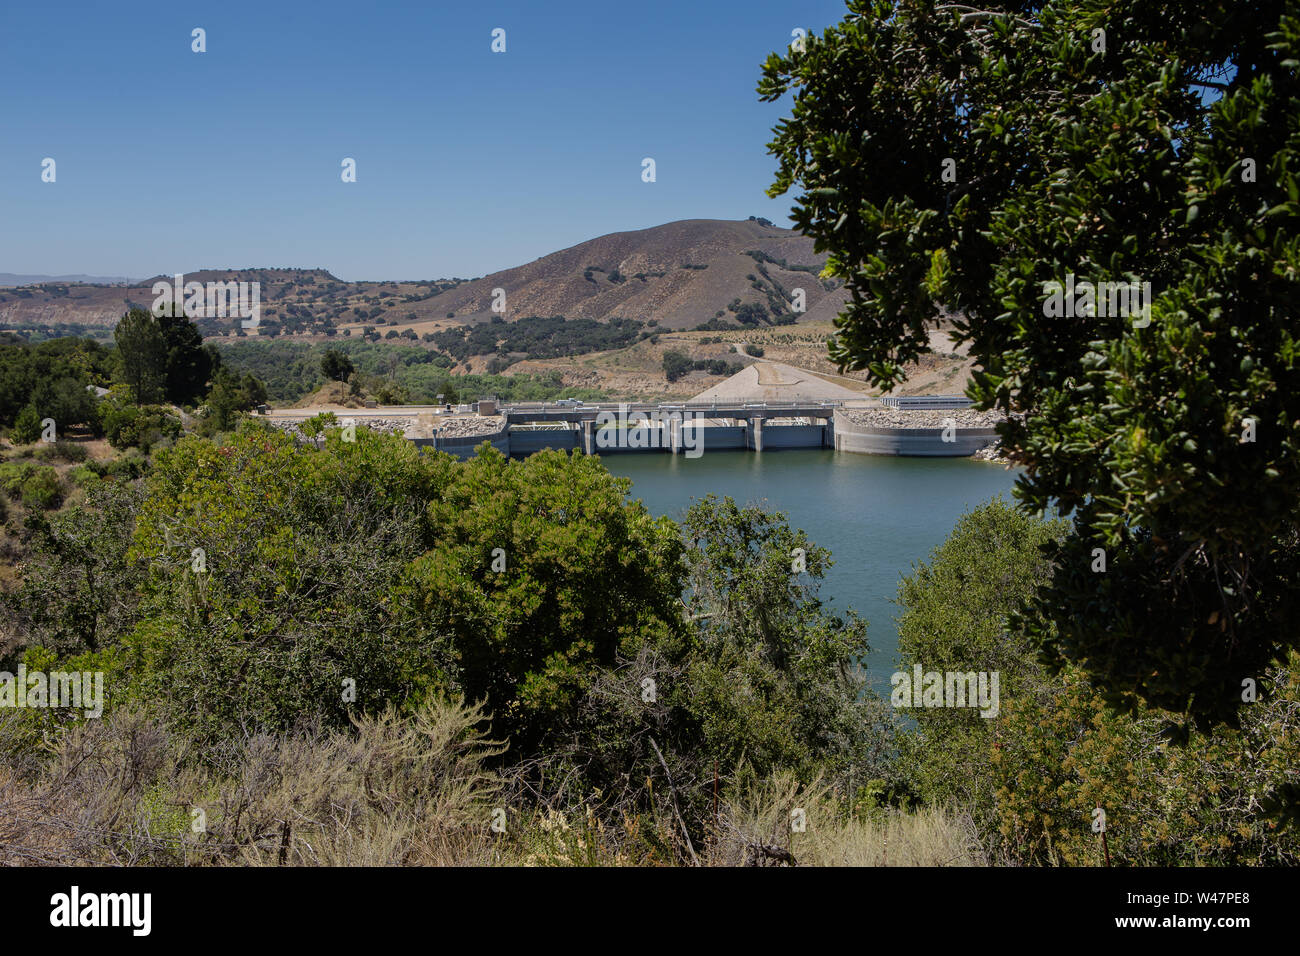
956	609
273	588
27	426
335	365
544	574
956	159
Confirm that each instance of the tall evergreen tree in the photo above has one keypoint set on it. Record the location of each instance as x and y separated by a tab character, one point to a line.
188	365
142	352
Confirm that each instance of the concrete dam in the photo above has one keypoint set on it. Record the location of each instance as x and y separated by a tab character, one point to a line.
687	428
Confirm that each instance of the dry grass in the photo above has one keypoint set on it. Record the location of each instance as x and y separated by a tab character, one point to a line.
779	820
123	791
412	790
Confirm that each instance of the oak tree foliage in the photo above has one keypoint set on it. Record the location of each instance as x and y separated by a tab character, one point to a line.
1118	141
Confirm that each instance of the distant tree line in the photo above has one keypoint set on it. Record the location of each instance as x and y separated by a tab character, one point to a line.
677	364
392	374
155	362
538	338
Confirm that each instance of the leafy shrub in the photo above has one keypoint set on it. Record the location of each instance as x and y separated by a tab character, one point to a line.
130	426
676	364
38	486
43	489
65	450
27	426
317	424
133	464
12	476
955	606
751	313
83	476
407	789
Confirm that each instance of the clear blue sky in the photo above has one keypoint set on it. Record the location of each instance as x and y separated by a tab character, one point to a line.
467	161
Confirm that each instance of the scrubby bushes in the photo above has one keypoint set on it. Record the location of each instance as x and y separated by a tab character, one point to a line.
1035	775
288	630
395	790
27	426
127	425
676	364
35	485
365	577
291	370
62	450
538	337
43	489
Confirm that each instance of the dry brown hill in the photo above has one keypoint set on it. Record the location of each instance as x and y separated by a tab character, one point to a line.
680	274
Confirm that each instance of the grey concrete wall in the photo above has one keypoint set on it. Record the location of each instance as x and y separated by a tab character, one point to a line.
523	442
792	436
464	447
720	437
653	438
842	434
921	442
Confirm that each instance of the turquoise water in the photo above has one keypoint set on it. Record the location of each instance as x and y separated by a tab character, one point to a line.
877	515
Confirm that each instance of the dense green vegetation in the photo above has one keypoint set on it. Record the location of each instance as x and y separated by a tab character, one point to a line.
1055	753
11	333
392	373
992	153
676	364
50	379
128	425
327	595
159	365
537	338
212	568
335	365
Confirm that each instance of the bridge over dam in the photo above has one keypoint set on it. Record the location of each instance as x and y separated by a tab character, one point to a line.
943	427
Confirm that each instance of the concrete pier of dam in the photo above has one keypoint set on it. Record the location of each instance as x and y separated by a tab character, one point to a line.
686	428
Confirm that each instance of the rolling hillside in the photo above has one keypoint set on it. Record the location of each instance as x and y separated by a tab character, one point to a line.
678	275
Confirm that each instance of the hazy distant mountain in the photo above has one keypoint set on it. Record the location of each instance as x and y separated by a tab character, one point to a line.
10	278
680	274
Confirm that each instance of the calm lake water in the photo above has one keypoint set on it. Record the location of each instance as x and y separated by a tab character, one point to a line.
877	515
